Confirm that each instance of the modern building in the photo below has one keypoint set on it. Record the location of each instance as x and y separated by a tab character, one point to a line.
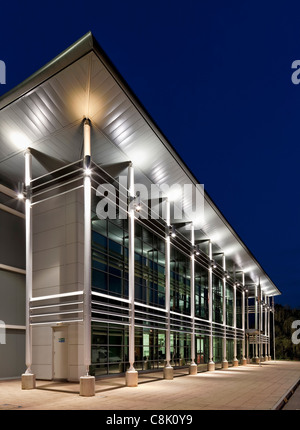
113	259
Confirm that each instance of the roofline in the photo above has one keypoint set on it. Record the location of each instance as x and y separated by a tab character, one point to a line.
78	49
82	47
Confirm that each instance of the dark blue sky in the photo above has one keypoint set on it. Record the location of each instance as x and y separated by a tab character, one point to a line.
216	78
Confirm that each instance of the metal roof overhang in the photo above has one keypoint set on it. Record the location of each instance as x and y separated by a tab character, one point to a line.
46	111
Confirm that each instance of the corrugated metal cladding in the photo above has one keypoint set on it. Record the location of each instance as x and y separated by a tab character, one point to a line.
49	116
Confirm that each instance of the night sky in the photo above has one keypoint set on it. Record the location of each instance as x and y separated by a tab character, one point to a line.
216	78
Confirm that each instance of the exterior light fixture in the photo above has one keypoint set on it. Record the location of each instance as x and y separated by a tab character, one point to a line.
196	250
213	264
138	206
172	231
87	165
20	193
226	274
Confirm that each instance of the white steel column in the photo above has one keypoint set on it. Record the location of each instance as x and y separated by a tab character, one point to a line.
235	360
131	374
225	362
273	309
168	369
28	378
256	326
193	365
211	364
247	323
244	360
259	323
87	382
269	330
265	330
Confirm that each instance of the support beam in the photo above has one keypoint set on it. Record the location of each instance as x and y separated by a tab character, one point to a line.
273	309
259	323
235	360
193	366
244	360
28	378
131	374
266	328
247	323
168	369
256	358
269	329
211	364
224	362
87	382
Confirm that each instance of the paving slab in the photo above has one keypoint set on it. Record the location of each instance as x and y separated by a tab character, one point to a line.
250	387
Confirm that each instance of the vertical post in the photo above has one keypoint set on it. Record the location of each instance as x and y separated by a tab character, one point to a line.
273	309
269	329
211	364
168	369
259	323
87	382
244	360
225	362
131	374
265	329
235	360
247	323
256	326
28	378
193	365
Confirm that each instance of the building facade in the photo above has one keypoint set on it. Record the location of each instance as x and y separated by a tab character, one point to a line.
122	273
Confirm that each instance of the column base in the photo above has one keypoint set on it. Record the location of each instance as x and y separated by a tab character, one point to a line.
168	373
28	381
269	358
235	363
244	361
211	366
87	386
225	364
256	360
193	370
131	378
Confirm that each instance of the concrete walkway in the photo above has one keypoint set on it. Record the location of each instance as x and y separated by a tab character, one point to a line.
250	387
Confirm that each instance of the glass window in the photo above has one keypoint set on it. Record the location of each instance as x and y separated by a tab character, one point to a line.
201	292
217	291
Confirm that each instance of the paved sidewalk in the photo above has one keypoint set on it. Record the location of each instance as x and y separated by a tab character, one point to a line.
250	387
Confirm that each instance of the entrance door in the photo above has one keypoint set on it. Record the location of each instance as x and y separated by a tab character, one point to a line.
60	353
200	350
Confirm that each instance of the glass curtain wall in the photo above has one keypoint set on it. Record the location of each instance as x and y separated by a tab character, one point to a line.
110	257
229	305
217	290
239	299
180	289
201	292
149	267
